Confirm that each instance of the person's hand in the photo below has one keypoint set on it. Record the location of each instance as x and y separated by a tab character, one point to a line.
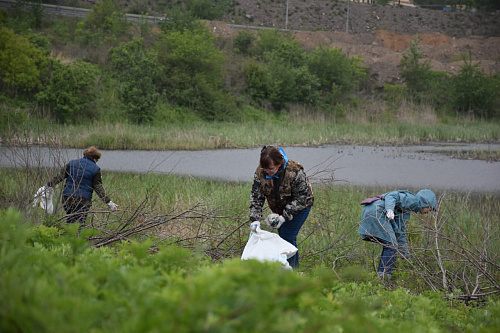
112	206
255	226
390	214
275	220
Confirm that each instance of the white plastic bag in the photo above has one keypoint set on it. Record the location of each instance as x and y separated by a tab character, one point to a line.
267	246
43	197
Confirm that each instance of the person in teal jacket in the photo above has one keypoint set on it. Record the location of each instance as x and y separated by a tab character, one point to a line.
384	219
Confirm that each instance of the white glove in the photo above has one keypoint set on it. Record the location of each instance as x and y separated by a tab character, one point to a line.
44	197
255	226
113	206
390	214
275	220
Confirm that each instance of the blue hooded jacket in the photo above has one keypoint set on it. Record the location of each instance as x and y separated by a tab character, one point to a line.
376	226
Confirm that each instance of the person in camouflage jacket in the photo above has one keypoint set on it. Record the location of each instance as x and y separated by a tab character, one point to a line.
289	194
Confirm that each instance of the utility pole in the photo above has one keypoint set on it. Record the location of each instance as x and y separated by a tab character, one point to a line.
286	15
347	23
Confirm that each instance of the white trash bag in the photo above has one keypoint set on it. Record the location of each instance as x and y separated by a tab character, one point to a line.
267	246
43	197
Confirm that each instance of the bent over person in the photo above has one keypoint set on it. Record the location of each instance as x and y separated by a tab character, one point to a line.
289	195
82	177
384	219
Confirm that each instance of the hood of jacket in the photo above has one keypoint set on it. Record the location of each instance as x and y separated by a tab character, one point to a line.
427	198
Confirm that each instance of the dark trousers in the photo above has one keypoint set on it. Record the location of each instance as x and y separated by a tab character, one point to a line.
289	231
76	212
387	258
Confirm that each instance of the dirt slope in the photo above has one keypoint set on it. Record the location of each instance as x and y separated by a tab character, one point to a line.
380	34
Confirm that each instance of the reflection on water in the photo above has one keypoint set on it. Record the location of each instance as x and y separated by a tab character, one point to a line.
397	167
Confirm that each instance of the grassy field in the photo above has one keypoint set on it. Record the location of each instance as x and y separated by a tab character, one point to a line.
212	217
287	132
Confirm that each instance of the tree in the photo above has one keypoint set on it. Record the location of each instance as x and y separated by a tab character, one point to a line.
104	22
138	69
337	73
475	92
20	61
192	72
415	70
71	91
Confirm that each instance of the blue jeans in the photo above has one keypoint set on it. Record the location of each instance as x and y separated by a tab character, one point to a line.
387	259
289	231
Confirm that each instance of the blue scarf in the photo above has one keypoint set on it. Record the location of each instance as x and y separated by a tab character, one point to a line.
284	166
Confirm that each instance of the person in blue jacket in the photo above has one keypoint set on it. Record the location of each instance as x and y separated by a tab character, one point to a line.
384	219
82	177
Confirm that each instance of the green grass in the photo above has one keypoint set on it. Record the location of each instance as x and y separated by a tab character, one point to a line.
214	212
199	136
144	282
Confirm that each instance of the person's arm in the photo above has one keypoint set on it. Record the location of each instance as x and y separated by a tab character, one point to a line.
300	189
392	200
257	199
59	177
99	188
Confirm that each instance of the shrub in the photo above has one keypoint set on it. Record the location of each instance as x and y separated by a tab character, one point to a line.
258	80
415	70
471	90
21	62
243	43
337	73
138	69
71	91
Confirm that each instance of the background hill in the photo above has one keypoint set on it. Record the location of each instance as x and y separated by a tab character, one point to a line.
379	34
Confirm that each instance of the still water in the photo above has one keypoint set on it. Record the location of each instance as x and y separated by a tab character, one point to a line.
410	167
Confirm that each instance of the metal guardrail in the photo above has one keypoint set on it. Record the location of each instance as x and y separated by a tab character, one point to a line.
82	12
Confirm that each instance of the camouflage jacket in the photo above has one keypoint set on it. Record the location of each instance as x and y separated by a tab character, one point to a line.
286	195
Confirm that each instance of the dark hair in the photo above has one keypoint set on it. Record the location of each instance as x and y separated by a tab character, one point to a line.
270	154
92	153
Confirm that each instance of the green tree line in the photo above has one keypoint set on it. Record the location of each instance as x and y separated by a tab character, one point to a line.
105	68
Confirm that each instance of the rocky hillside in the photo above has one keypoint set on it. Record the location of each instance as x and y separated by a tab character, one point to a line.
378	34
316	15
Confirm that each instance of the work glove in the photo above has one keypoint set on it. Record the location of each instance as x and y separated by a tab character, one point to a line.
275	220
112	206
44	197
255	226
390	214
44	191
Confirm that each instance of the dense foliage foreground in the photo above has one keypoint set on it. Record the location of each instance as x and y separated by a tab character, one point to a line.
52	281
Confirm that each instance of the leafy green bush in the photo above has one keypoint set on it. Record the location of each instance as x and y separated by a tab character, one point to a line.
415	70
243	42
21	62
258	80
105	22
192	73
71	91
473	91
337	73
171	114
53	281
291	85
138	69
